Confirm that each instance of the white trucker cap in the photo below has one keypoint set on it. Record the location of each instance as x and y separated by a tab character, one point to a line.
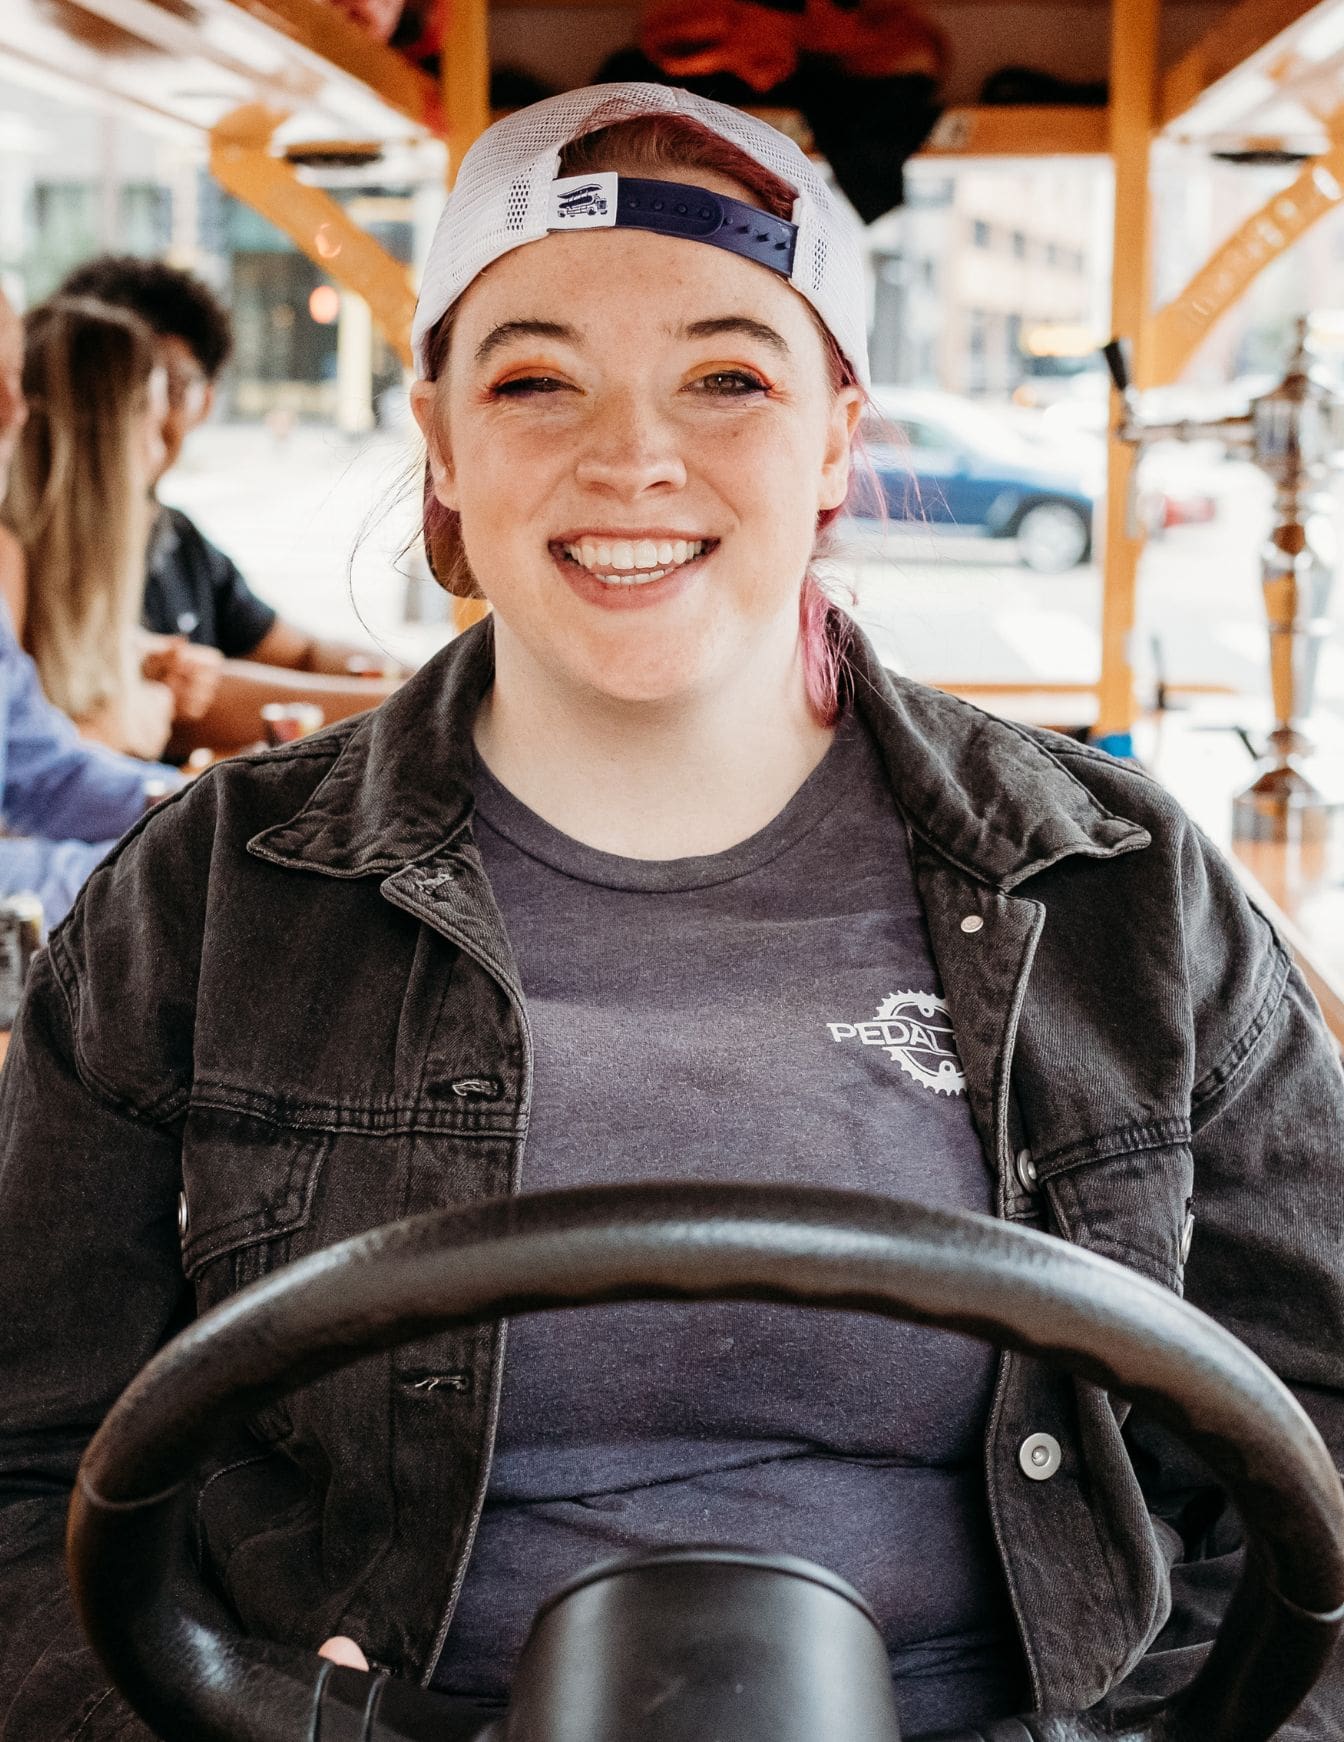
507	194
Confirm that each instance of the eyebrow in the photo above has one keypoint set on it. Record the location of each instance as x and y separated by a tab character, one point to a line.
714	328
740	324
510	330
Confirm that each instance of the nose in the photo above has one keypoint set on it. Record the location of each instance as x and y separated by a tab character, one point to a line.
630	448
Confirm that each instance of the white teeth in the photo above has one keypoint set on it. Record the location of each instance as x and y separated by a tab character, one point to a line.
633	560
640	580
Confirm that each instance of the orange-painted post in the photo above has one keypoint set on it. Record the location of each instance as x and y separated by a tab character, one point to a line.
465	77
466	110
1134	34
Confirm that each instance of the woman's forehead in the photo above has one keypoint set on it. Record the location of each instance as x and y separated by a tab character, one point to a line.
596	282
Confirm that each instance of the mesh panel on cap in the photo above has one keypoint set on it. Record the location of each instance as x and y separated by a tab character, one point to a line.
502	199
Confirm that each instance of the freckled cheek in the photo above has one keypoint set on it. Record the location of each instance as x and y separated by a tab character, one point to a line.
502	483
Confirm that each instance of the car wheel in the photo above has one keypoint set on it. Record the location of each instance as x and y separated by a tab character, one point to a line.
1052	537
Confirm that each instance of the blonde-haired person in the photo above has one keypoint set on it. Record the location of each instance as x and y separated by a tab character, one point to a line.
657	874
79	513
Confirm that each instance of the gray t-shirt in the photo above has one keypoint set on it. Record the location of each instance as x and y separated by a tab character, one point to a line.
767	1013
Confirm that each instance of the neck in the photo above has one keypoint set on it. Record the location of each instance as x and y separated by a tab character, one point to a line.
661	780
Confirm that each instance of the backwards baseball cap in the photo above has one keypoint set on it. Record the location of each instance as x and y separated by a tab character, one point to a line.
509	192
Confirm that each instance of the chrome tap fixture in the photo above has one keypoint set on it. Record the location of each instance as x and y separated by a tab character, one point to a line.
1294	433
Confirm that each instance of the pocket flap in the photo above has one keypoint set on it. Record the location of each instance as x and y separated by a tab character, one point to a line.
244	1180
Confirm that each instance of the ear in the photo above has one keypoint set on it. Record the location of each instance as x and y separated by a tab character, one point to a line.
846	410
207	404
425	410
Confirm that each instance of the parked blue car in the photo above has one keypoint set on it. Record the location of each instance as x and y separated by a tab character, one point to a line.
952	466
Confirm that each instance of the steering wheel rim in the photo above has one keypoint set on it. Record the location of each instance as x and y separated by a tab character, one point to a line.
168	1646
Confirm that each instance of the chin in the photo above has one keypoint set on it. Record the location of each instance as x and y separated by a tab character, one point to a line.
644	683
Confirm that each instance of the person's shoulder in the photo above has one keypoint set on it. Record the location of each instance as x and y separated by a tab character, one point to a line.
139	931
246	793
183	529
1120	783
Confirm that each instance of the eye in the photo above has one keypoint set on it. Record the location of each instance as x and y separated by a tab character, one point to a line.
731	384
523	386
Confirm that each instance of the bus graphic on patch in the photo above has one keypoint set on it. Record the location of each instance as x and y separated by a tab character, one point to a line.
588	201
915	1032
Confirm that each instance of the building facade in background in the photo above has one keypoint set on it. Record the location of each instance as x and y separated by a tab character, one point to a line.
992	281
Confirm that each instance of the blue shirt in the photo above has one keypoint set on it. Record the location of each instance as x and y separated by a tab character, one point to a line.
62	801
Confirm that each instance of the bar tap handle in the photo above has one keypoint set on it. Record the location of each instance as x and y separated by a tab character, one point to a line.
1116	352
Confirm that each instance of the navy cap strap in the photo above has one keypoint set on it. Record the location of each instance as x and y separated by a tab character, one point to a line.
674	208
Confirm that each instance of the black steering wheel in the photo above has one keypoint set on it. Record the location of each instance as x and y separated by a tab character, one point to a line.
171	1649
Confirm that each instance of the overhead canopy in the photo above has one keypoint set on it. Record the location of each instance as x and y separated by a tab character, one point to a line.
1235	73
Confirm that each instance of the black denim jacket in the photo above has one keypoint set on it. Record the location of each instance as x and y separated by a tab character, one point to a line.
288	997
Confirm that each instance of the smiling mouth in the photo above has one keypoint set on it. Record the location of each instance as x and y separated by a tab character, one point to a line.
633	562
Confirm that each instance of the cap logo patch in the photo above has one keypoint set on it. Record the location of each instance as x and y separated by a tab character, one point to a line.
584	202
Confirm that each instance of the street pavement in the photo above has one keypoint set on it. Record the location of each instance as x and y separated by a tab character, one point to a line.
318	523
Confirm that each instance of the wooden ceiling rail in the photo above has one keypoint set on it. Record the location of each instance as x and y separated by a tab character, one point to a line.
1238	37
1182	324
243	163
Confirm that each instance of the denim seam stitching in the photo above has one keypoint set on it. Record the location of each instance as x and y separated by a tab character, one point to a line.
1219	1075
82	1726
159	1113
358	1121
1128	1140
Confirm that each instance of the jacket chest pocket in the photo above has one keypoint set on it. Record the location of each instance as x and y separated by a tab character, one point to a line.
1135	1206
248	1187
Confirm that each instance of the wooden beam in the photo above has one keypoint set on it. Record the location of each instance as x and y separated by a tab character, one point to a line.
1037	130
242	163
1183	324
326	32
1134	33
301	57
1240	34
466	79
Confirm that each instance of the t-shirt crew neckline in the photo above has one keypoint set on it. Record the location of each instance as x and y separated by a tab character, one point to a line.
814	800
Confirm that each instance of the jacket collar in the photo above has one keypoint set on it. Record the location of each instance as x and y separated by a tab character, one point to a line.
984	793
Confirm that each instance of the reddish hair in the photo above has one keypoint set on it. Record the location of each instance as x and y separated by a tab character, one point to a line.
647	145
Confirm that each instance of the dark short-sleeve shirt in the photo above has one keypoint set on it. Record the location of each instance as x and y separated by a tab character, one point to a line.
193	589
771	1012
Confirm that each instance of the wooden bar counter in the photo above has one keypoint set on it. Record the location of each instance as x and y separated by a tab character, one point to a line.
1298	885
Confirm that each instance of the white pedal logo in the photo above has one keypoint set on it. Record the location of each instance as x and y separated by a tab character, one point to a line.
914	1030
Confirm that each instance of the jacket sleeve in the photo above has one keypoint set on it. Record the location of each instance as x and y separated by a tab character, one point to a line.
1267	1254
91	1272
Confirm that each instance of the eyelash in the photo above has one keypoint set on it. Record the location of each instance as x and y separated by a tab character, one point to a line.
747	382
524	386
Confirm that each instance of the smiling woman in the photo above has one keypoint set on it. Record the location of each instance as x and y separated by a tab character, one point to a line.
678	149
656	874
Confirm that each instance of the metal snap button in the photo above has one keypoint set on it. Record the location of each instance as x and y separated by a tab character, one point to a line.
1026	1170
972	922
1039	1456
183	1216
